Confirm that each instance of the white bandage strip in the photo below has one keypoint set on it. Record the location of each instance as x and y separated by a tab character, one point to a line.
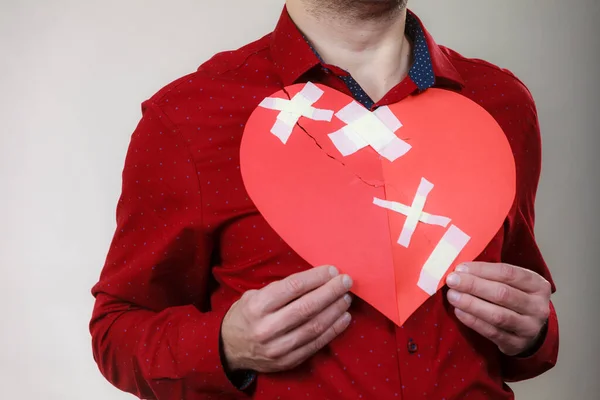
364	128
414	213
442	257
403	209
301	105
416	210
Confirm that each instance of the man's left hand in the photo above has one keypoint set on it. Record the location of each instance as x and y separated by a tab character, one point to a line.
506	304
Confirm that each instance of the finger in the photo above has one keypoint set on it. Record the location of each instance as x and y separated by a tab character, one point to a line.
492	291
278	294
310	330
509	343
494	315
519	278
306	307
299	355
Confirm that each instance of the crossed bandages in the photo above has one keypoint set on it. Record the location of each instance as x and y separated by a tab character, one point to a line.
376	129
363	128
447	249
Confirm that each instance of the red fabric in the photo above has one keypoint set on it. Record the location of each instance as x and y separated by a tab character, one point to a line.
189	242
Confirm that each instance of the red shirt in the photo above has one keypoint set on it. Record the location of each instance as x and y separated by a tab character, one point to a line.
189	242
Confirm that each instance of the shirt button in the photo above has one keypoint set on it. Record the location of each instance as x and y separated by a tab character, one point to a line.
412	347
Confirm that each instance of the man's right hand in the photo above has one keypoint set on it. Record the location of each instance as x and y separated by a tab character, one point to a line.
278	327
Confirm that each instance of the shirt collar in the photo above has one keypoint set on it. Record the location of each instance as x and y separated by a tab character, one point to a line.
293	56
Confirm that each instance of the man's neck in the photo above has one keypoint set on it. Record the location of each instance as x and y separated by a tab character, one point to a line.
372	48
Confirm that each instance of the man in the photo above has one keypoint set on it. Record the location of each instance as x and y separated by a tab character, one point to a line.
200	299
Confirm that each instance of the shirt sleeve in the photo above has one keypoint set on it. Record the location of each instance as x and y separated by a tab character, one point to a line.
153	333
521	249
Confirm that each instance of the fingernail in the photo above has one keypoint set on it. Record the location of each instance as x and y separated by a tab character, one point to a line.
348	298
333	271
462	268
453	280
346	318
347	281
453	296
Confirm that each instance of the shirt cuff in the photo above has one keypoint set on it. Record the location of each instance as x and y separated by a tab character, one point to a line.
532	364
203	337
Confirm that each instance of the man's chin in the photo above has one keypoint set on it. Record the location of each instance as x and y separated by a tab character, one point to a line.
361	9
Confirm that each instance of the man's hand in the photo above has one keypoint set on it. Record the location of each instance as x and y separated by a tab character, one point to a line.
278	327
506	304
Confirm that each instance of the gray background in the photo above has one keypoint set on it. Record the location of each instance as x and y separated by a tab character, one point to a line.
72	76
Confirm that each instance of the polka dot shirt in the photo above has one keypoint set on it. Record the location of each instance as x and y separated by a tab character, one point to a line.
189	242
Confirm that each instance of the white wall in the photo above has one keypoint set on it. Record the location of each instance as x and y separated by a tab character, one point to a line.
72	76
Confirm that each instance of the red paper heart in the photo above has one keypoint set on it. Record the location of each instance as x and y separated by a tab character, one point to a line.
322	203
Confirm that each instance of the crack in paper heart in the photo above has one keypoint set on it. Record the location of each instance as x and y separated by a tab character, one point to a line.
366	182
